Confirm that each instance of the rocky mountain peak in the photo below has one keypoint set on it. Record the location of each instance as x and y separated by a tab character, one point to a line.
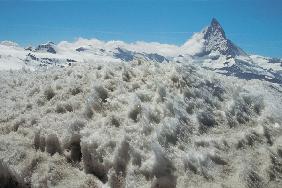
48	47
216	41
215	29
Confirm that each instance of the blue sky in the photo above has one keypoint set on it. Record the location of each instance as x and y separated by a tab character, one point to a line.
254	25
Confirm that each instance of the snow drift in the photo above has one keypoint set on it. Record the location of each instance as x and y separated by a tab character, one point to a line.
139	124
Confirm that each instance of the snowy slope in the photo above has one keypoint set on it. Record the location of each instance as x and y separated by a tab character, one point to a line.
267	63
116	124
11	56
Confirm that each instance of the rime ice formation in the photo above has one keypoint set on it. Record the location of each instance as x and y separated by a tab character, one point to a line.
138	124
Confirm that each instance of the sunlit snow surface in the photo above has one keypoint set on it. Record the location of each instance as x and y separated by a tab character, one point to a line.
138	124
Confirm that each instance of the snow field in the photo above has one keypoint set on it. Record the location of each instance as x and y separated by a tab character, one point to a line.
139	124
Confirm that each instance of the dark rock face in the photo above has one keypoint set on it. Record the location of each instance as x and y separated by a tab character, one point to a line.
215	40
49	47
71	60
275	60
29	49
80	49
124	55
128	56
238	70
157	58
32	57
44	61
215	29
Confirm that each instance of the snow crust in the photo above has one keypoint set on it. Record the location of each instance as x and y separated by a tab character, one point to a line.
139	124
265	63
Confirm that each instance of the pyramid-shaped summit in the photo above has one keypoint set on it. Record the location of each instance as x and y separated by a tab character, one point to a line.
215	29
216	41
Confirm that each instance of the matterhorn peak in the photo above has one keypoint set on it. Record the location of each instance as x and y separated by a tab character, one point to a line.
216	41
212	40
215	23
215	29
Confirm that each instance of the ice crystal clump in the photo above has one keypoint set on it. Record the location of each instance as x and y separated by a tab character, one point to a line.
139	124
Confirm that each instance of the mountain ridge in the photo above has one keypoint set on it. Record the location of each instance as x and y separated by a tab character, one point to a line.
209	48
217	41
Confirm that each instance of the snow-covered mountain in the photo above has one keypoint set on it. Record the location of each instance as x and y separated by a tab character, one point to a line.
215	42
139	124
209	48
218	53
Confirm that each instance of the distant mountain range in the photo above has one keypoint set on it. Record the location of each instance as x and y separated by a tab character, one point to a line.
210	49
